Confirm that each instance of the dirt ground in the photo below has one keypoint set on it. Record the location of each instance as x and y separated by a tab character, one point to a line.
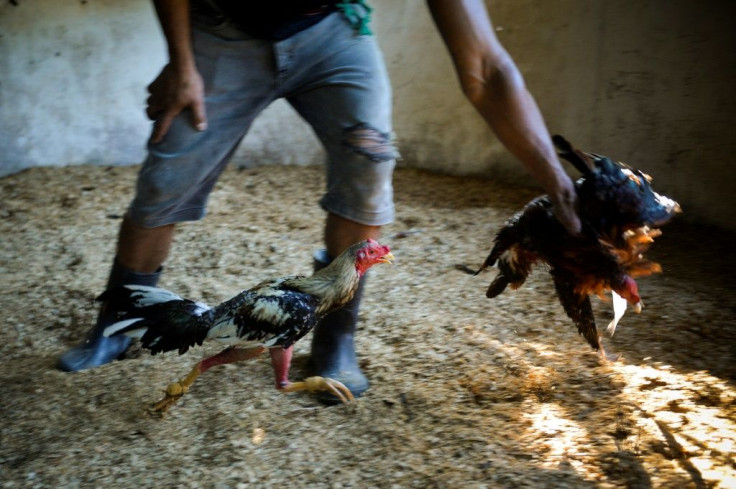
466	391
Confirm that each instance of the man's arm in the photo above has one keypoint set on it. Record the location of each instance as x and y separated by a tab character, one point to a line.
179	86
493	84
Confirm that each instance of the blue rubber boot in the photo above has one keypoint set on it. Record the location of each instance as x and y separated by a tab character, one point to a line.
333	346
97	350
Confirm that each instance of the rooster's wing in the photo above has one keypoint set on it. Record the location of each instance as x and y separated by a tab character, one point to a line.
268	315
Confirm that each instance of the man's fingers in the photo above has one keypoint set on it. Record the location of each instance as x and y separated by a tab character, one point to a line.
164	120
153	111
565	206
155	85
199	117
568	218
161	127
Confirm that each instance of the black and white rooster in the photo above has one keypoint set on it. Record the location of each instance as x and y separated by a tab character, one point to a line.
272	316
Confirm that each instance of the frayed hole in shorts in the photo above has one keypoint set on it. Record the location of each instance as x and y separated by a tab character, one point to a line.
370	142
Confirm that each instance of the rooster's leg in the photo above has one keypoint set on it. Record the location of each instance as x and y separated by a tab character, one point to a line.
281	359
605	358
177	389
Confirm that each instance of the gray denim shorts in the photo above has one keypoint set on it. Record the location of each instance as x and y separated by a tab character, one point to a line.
334	78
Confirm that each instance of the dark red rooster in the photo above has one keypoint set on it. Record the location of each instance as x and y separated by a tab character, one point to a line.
271	316
619	212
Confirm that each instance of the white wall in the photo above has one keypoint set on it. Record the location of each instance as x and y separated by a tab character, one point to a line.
72	81
651	83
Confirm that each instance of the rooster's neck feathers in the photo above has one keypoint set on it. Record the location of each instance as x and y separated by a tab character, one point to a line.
333	285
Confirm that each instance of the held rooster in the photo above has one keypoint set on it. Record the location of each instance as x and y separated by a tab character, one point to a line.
619	212
271	316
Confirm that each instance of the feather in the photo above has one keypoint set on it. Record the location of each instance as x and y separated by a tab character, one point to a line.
619	308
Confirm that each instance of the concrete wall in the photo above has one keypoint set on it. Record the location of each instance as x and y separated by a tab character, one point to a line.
651	83
72	81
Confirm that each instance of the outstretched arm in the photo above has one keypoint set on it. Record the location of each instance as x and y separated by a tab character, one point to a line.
493	84
179	86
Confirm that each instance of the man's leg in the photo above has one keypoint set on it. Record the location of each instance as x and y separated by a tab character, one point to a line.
341	233
180	172
144	249
140	254
346	98
333	346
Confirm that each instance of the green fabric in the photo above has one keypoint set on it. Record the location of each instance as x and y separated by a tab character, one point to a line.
358	13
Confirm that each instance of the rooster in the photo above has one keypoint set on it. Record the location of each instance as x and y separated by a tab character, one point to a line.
619	212
272	316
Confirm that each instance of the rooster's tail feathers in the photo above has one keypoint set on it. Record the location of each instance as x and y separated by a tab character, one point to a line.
164	327
136	296
127	327
580	160
160	319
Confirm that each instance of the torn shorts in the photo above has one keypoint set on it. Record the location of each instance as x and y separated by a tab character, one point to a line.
334	78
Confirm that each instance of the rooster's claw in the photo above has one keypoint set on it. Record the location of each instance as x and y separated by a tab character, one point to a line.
172	393
319	384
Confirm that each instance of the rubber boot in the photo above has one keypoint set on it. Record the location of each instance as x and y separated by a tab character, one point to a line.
96	349
333	347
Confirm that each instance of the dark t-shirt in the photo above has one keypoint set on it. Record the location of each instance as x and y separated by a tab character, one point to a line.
274	19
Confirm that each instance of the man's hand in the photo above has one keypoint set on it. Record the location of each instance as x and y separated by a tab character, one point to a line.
173	91
565	205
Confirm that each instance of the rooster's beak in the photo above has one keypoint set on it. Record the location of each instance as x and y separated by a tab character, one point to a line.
387	258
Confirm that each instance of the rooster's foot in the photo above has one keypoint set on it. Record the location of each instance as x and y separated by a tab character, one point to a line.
320	384
172	394
606	358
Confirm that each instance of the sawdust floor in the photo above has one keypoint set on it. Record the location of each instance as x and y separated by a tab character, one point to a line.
466	391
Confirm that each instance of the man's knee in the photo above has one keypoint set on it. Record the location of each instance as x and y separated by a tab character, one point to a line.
368	141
